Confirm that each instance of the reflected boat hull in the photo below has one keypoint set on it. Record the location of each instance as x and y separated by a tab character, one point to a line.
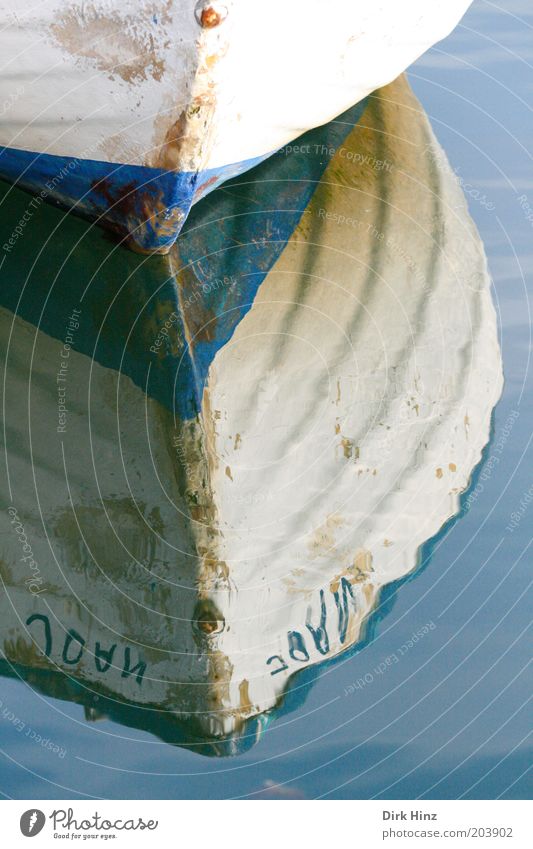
222	545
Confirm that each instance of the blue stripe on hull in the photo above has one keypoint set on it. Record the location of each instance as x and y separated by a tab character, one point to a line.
145	206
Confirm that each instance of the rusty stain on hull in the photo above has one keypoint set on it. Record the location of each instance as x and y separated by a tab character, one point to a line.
210	15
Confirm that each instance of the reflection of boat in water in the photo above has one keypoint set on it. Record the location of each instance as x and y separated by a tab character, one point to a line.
259	431
129	112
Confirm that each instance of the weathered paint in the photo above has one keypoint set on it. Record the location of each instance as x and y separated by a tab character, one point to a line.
179	598
200	90
146	207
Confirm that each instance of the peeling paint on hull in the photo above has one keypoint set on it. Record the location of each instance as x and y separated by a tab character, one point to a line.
147	207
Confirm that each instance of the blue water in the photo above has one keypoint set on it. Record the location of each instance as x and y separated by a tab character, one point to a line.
452	720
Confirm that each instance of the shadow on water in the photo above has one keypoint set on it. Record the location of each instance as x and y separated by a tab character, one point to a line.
223	463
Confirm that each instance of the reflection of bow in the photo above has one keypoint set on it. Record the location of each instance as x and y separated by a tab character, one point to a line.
225	510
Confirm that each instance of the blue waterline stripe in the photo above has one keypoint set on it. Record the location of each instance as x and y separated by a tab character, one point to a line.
129	199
